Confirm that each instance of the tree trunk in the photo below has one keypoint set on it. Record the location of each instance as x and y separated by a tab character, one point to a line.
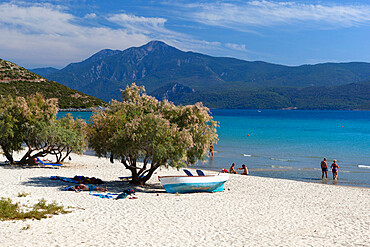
9	157
141	180
26	158
69	151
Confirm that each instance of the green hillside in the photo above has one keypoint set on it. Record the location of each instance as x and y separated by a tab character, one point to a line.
344	97
17	81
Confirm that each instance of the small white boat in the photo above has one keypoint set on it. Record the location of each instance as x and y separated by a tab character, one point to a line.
189	184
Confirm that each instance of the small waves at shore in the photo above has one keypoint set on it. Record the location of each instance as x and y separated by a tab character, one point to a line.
363	166
283	160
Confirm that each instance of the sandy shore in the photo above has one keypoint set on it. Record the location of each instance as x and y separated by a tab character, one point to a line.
252	211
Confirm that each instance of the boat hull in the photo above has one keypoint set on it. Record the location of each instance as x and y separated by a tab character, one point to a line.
191	184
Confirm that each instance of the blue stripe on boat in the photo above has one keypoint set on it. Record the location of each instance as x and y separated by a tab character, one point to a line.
194	187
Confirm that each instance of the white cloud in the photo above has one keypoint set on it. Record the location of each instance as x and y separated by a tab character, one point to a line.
46	35
238	47
90	16
243	16
125	19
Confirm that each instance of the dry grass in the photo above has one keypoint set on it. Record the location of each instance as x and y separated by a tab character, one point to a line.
13	211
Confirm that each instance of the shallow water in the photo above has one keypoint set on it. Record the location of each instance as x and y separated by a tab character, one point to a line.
291	144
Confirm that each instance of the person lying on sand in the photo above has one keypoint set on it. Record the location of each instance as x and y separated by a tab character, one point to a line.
89	187
232	169
245	170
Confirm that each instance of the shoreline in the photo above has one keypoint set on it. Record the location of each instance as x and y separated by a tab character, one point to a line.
315	180
280	109
251	211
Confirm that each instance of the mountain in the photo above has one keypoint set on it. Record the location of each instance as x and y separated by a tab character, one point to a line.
343	97
158	66
44	71
173	92
17	81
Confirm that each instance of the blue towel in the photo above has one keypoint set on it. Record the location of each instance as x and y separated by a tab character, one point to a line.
48	164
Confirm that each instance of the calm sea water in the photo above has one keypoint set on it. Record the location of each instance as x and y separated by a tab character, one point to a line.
291	144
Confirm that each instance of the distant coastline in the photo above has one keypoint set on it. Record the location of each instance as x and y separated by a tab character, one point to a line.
285	109
76	110
81	109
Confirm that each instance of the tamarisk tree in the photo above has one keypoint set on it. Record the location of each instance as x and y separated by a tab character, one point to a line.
61	137
144	133
31	123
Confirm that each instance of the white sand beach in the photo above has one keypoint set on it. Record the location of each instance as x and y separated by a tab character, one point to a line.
251	211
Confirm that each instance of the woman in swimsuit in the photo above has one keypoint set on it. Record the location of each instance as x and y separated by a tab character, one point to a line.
334	169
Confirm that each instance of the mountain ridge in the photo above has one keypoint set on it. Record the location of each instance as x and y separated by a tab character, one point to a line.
157	64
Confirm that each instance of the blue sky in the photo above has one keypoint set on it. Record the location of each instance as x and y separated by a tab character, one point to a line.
56	33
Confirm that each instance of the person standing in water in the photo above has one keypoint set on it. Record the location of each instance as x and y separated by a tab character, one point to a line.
211	148
334	169
324	168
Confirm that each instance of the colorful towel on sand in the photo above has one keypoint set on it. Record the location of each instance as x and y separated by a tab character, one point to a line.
78	180
115	196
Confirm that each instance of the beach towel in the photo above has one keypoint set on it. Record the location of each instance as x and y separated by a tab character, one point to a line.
78	180
48	164
107	195
123	195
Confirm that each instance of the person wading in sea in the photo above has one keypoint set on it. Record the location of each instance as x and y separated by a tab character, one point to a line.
324	168
334	169
211	148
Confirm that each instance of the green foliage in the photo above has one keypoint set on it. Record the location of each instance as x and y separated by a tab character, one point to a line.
343	97
141	128
19	119
62	136
18	81
13	211
32	121
67	98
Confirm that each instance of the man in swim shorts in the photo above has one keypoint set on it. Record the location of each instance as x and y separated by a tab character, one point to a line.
324	168
334	169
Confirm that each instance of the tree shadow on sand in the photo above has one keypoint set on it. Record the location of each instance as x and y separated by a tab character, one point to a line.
112	186
6	165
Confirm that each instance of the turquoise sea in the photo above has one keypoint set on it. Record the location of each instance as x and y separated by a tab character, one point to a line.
291	144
